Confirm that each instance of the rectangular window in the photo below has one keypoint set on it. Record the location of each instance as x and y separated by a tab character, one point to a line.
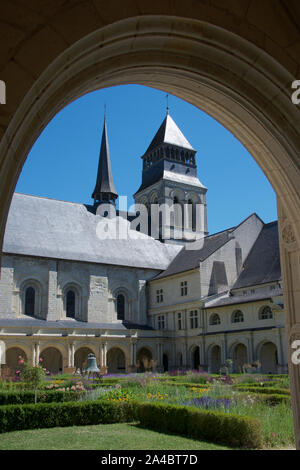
193	319
179	321
184	289
161	322
159	296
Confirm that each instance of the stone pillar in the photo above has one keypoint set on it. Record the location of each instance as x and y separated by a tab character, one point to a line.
52	311
71	354
202	352
250	348
33	354
70	369
159	356
132	365
223	352
289	230
37	349
142	303
280	356
103	356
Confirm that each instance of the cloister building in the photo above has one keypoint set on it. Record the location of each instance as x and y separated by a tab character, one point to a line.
140	303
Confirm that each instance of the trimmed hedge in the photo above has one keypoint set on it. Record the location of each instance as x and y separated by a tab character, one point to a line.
186	385
275	399
267	390
48	415
49	396
223	428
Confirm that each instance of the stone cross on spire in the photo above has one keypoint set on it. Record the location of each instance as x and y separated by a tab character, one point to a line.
104	190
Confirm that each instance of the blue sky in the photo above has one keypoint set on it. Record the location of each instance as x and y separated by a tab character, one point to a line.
63	162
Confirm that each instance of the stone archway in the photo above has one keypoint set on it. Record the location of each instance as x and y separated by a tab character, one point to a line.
215	359
165	361
240	357
12	358
268	358
196	358
144	360
80	357
220	65
116	361
52	360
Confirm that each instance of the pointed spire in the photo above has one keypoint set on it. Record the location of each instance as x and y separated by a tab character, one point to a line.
104	190
169	133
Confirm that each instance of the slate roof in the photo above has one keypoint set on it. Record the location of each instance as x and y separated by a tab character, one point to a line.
188	259
237	299
104	182
50	228
263	262
69	324
169	133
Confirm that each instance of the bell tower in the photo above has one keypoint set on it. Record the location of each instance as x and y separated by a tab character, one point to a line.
171	184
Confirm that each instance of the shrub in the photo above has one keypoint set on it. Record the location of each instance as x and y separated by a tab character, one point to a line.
223	428
19	417
267	390
28	396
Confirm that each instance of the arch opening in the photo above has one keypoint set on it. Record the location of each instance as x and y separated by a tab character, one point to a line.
116	361
216	74
144	360
52	360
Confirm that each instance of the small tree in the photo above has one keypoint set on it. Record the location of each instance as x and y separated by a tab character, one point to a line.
33	376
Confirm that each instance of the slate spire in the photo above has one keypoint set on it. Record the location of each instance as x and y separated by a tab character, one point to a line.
104	190
169	133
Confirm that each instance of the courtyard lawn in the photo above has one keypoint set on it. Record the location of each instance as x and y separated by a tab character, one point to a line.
101	437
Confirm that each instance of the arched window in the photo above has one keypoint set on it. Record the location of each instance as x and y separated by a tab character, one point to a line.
265	313
237	317
70	304
121	307
214	319
30	301
191	215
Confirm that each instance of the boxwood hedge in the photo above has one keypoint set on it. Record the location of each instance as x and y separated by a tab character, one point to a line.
229	429
27	396
224	428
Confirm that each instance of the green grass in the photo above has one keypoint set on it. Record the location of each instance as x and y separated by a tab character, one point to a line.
101	437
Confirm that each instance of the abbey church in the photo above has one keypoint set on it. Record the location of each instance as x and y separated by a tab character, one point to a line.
142	302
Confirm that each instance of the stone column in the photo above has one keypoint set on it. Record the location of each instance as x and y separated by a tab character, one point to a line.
33	354
52	313
142	303
280	353
289	230
159	356
37	349
103	356
132	366
250	348
70	369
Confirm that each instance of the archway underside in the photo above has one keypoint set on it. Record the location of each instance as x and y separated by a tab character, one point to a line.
217	71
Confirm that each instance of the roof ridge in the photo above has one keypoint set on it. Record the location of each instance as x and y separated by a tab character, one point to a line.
48	198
